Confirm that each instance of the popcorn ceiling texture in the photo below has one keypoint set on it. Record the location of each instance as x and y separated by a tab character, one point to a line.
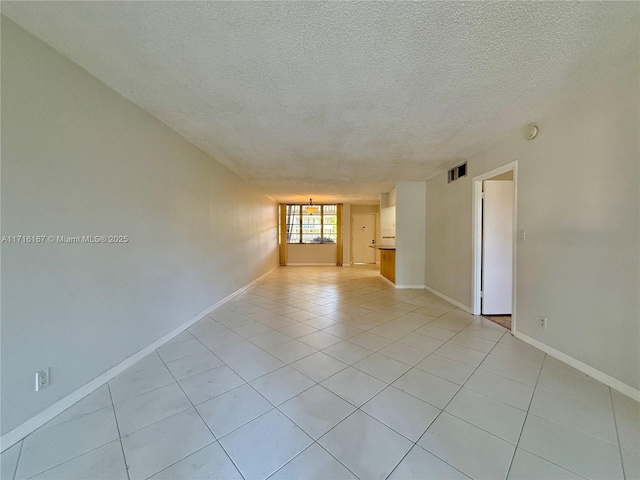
340	100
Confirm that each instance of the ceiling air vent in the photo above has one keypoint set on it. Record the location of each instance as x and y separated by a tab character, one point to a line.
457	172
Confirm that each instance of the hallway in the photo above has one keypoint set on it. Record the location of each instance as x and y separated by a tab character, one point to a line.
329	372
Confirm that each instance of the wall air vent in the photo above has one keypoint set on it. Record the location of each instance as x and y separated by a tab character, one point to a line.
457	172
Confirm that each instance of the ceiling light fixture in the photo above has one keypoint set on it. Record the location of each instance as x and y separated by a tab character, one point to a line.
311	208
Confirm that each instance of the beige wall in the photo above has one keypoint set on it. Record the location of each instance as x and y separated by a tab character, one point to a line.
311	254
78	159
578	199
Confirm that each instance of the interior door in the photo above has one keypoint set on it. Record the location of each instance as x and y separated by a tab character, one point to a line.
497	247
363	234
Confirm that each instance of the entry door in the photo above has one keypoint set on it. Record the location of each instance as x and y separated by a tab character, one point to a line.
363	234
497	247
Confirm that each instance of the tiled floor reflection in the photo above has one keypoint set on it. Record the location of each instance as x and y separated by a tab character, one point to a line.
330	373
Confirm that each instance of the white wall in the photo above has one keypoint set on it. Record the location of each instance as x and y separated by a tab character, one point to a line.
78	159
410	233
578	199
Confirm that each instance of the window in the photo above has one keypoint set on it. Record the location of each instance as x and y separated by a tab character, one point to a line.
318	227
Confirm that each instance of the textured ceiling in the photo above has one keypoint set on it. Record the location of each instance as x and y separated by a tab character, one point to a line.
339	100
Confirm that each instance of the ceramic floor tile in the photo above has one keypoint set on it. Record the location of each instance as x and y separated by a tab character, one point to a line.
281	385
343	331
94	401
422	342
151	360
354	386
631	462
592	418
410	321
291	351
319	366
204	386
383	368
570	449
317	410
460	354
50	447
313	464
160	445
514	370
443	367
9	461
527	466
629	432
523	354
405	413
501	388
233	409
389	331
427	387
297	330
319	340
347	352
219	340
255	365
436	332
143	410
181	337
103	463
320	322
365	446
192	365
370	341
404	353
421	465
207	329
140	382
495	417
235	350
623	405
252	329
208	463
175	351
265	444
269	339
558	377
468	340
467	448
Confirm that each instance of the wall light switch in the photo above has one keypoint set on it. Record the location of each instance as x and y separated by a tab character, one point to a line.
523	234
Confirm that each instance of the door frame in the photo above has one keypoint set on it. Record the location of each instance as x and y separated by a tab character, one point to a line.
375	237
477	236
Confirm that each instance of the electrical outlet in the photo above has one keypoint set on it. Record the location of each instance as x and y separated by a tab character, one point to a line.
542	321
42	379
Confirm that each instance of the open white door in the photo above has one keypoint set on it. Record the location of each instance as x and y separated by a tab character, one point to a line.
497	247
363	234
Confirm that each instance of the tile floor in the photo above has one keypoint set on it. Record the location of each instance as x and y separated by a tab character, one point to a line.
329	373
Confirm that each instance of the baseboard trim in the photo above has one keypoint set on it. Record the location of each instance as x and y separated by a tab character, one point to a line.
388	281
410	286
14	436
333	264
602	377
449	299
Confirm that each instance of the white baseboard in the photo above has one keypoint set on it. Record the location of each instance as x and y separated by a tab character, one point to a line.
410	286
35	422
311	264
450	300
602	377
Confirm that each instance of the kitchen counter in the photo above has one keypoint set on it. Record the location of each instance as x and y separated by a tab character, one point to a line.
387	261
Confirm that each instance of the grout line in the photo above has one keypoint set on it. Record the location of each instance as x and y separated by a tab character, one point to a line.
527	414
124	456
615	423
15	469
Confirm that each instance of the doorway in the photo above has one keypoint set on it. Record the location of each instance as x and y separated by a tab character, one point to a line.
495	244
363	234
